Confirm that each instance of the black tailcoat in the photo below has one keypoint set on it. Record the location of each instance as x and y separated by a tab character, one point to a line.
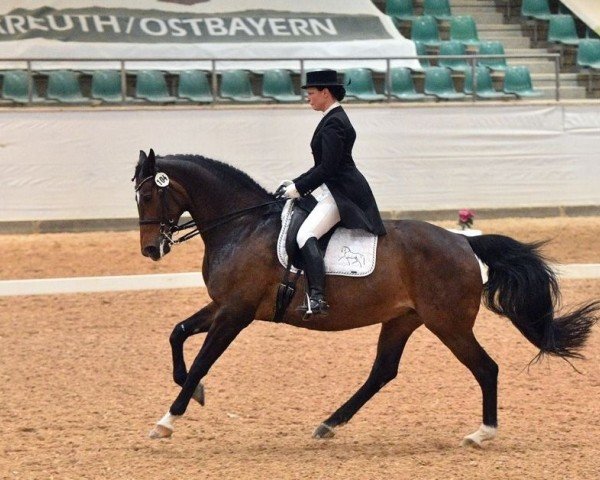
332	151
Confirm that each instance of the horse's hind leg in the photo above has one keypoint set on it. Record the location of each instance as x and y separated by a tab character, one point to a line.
467	349
392	339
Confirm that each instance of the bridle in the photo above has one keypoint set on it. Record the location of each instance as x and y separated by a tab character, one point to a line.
168	227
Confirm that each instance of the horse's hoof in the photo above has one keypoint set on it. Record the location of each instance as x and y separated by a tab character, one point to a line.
471	442
323	431
199	394
160	431
477	438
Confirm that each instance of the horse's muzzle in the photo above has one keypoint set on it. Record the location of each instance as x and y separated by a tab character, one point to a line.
156	252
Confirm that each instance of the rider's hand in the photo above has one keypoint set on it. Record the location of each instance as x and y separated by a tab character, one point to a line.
291	192
280	192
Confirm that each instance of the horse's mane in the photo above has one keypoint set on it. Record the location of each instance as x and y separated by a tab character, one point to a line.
221	170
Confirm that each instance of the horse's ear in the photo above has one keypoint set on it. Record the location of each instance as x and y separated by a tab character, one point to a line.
151	161
140	164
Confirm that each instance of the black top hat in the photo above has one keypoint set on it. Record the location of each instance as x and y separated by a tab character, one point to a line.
322	78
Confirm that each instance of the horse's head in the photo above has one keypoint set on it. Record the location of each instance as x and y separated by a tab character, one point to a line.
161	202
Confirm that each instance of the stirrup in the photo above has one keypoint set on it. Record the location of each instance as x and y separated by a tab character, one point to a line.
314	307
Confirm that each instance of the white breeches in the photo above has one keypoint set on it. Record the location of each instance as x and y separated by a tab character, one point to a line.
322	219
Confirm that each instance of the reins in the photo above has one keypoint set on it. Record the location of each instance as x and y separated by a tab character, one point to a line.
172	228
217	222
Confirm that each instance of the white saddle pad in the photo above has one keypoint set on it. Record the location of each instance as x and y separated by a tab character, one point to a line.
350	253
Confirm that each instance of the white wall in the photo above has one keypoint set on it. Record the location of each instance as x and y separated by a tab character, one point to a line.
77	163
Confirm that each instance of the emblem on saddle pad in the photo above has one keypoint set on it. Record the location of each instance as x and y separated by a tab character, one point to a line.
350	253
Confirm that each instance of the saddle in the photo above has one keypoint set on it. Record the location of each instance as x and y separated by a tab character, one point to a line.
347	252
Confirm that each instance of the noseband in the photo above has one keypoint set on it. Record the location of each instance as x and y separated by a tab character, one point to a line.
168	226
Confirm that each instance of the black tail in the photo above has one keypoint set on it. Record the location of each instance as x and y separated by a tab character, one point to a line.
523	287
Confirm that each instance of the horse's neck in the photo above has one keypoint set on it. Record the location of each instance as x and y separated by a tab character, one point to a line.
213	197
214	203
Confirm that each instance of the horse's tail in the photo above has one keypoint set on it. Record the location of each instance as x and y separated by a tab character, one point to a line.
523	287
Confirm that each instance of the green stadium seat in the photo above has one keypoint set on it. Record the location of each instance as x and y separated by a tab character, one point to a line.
151	85
588	58
359	85
588	53
425	30
464	29
15	87
438	83
400	10
536	9
451	48
562	30
63	86
485	86
106	86
440	9
517	81
403	86
277	85
492	47
194	85
236	86
422	50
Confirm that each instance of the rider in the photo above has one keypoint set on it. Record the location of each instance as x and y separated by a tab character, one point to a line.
342	192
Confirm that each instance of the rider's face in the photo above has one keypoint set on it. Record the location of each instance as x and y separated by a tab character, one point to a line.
318	99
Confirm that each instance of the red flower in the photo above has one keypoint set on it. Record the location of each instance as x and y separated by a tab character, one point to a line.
465	218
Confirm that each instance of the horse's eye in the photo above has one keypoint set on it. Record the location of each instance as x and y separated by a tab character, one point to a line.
147	197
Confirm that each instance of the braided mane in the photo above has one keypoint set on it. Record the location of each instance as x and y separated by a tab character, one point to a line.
221	170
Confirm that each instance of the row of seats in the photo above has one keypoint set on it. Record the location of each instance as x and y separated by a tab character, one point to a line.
463	29
404	10
150	85
439	84
236	85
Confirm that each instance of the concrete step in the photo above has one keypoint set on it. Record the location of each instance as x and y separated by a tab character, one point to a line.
566	92
570	84
507	42
509	28
535	67
480	17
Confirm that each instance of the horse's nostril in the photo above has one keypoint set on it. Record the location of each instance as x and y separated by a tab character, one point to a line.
151	251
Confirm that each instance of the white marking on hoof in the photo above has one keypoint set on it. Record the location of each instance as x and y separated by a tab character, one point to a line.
160	431
476	439
164	427
323	431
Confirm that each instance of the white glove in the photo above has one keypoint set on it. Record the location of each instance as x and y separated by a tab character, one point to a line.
291	192
279	193
287	189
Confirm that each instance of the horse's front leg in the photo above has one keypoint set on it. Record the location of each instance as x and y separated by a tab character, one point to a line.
227	324
199	322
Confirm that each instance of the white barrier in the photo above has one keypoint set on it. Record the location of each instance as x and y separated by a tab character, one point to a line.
52	286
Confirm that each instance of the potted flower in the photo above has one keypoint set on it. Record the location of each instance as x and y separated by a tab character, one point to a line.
465	218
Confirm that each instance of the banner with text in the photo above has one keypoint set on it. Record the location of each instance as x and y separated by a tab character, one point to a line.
203	30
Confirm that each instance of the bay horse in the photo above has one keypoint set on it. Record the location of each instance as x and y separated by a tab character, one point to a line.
425	275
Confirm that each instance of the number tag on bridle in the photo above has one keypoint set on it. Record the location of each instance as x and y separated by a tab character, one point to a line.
161	179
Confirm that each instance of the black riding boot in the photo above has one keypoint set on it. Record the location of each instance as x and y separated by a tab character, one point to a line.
314	269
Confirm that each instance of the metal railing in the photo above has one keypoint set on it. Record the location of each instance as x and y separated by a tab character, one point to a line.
471	58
